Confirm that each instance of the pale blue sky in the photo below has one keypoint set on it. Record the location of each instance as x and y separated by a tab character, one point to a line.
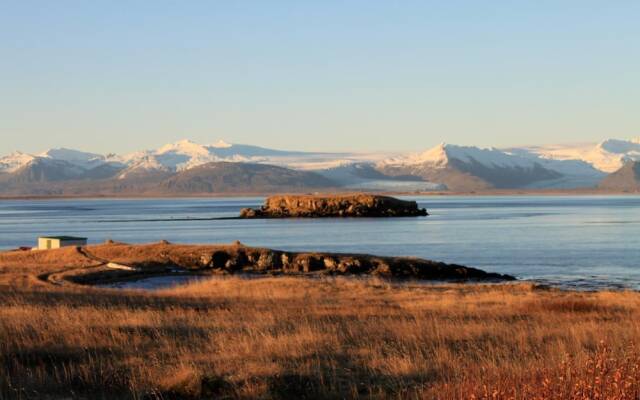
110	76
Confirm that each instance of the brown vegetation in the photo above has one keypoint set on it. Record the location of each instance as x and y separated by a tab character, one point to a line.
298	337
287	337
91	264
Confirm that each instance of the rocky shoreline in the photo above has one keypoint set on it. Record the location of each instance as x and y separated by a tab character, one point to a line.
327	206
138	261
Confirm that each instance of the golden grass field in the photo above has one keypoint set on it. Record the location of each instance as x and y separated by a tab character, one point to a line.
297	337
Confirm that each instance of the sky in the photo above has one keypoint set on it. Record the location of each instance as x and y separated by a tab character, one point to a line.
108	76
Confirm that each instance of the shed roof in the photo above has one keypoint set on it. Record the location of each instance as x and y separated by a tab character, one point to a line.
62	237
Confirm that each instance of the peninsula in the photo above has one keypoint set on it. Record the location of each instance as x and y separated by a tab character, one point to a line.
119	261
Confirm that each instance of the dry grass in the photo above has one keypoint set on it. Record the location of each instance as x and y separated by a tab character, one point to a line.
318	338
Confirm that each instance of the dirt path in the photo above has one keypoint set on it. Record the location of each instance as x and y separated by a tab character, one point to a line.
58	277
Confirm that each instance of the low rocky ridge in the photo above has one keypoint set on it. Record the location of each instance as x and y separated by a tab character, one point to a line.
42	179
318	206
625	179
220	177
165	258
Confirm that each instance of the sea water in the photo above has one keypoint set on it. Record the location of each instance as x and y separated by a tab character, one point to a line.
572	241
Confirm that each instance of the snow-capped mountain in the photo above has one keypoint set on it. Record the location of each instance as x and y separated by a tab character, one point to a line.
607	156
446	166
78	158
46	170
473	168
441	155
57	165
171	161
142	166
185	154
14	161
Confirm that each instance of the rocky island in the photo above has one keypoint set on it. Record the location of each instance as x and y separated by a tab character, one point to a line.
326	206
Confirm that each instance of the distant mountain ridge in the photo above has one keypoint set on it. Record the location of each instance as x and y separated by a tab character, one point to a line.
225	176
443	167
607	156
472	168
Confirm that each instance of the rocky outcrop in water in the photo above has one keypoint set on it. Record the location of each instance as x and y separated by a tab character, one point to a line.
322	206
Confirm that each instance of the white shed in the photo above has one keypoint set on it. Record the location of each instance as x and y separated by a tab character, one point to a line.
55	242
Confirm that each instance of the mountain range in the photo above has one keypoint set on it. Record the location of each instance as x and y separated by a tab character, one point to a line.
186	167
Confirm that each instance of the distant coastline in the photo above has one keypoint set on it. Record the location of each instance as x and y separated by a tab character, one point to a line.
488	192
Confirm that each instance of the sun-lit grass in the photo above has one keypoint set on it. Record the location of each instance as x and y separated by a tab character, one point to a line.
319	338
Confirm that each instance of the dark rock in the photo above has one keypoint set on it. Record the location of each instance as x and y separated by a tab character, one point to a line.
309	263
359	205
241	259
288	263
269	260
350	265
229	259
219	259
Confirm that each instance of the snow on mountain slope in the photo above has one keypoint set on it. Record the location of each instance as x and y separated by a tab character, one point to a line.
621	146
41	169
185	154
497	168
510	158
441	155
323	161
181	156
59	164
14	161
221	144
365	176
575	173
79	158
459	167
143	166
302	160
607	156
185	147
436	157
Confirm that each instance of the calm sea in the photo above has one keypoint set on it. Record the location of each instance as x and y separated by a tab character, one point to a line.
573	241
